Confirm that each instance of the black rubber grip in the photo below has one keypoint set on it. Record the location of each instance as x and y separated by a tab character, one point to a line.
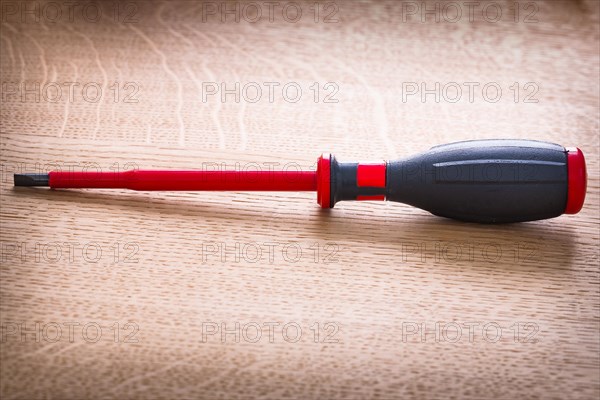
484	180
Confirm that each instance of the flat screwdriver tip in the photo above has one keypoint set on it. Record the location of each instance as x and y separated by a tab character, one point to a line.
31	180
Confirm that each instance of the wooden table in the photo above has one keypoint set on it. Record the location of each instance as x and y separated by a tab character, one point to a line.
122	294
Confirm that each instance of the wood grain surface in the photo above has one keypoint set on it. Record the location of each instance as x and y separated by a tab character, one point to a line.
136	295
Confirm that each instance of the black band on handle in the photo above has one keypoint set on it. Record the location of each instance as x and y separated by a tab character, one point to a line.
484	180
357	181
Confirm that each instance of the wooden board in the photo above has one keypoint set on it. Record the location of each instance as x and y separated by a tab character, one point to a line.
119	294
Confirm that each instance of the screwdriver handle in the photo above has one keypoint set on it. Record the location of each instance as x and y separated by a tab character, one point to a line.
488	181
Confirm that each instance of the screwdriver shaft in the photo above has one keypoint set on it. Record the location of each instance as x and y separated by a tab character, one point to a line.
187	180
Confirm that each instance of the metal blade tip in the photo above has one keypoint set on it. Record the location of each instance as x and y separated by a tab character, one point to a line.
31	179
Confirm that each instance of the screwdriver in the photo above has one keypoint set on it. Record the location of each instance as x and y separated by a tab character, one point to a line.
486	181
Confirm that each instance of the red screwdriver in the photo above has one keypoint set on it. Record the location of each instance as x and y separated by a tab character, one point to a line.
487	181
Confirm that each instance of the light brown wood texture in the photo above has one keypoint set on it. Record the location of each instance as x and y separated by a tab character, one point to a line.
368	274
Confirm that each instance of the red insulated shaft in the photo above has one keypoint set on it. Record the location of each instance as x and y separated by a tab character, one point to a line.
187	180
289	181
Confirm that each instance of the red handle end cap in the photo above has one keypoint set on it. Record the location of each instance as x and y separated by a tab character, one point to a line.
324	181
577	180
